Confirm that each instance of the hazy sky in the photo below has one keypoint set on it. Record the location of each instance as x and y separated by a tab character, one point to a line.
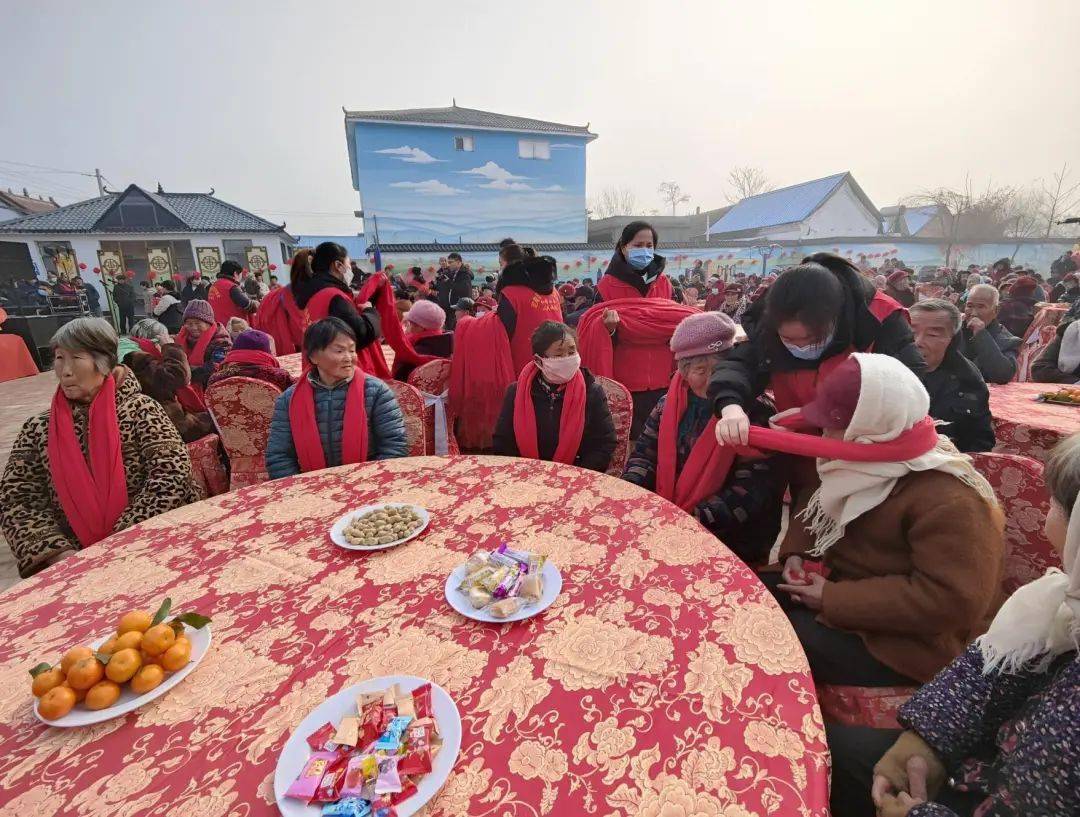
246	97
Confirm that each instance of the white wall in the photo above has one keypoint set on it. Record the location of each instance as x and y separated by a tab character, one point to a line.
843	214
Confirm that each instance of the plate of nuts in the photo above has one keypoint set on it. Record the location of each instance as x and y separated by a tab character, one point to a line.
377	527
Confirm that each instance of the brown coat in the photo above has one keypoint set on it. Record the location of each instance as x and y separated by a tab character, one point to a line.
918	577
160	378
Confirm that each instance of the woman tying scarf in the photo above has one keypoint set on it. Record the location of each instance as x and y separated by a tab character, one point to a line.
999	723
740	502
556	411
204	341
335	414
103	458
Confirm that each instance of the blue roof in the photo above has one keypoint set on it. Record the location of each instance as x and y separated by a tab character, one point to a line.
784	206
355	244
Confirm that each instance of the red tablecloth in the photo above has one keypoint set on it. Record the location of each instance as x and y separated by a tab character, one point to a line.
15	359
663	681
1023	425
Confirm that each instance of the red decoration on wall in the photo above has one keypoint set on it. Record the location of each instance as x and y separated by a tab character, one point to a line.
82	265
177	277
565	267
273	267
97	270
151	275
577	263
130	274
592	259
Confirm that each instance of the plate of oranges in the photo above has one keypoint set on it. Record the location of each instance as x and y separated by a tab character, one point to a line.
146	657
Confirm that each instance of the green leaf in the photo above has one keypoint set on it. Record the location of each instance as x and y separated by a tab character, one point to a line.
195	620
103	658
163	611
40	668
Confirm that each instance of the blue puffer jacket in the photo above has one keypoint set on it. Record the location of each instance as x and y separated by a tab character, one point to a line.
386	426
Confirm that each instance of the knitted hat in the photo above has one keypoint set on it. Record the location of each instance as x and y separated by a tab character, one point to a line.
707	333
567	290
896	276
837	396
200	310
252	339
1023	287
426	314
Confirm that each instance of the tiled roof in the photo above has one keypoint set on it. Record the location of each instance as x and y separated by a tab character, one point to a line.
468	117
26	203
785	206
199	212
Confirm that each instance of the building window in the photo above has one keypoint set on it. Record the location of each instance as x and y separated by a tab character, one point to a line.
59	259
533	149
136	255
236	250
463	143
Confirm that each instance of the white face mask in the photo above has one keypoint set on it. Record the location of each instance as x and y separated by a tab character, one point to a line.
559	370
347	277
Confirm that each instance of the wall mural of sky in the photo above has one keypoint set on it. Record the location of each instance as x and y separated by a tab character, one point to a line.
422	189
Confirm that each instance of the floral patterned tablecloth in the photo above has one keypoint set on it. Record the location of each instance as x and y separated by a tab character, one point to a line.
1023	425
663	682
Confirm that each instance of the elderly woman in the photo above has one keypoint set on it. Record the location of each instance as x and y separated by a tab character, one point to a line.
556	411
675	455
103	458
252	356
335	414
204	341
999	722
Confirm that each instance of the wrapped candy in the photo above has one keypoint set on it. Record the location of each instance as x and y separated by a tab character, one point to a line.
422	701
531	587
360	776
388	781
391	739
389	703
408	789
306	785
479	597
476	562
348	807
371	718
383	808
329	789
506	607
320	737
348	732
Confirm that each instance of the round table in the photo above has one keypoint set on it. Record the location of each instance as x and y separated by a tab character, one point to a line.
1024	425
662	681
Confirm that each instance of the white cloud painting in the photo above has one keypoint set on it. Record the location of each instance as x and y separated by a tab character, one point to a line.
410	154
431	187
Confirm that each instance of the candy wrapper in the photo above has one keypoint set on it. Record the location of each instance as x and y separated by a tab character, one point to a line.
388	781
360	776
389	704
321	737
383	808
503	581
391	739
329	790
371	718
306	786
408	789
422	701
348	807
348	732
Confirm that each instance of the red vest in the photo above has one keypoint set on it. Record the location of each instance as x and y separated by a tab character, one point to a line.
223	305
640	367
318	306
532	309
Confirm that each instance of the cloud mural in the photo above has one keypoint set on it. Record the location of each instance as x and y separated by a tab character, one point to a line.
431	187
410	154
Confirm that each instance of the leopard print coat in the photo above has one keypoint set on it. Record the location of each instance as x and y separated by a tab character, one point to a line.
159	476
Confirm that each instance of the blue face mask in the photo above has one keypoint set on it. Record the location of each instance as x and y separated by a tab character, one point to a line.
639	257
812	352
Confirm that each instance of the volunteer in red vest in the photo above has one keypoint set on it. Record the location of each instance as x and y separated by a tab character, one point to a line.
227	298
320	285
336	414
526	298
204	341
816	315
278	314
556	411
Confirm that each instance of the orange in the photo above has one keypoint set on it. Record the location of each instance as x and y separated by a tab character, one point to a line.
56	703
129	640
102	695
44	681
137	621
177	655
73	656
158	639
123	665
147	678
85	674
109	647
147	658
80	694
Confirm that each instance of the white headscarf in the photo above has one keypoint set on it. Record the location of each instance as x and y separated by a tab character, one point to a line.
1041	620
891	401
1069	349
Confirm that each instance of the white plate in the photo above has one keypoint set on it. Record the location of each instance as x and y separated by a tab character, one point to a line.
296	750
460	601
128	700
337	532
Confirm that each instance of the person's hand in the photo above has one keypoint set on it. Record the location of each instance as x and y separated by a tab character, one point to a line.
975	325
910	767
611	320
733	427
793	571
897	806
363	306
773	421
808	594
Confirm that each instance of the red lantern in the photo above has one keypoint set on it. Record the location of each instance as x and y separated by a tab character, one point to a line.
565	267
97	270
605	263
592	259
151	275
130	274
82	265
577	263
177	277
273	267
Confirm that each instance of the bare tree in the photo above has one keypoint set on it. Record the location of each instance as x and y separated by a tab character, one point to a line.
671	193
972	216
746	182
615	201
1058	198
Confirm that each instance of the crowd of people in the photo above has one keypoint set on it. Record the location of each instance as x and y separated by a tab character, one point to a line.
814	420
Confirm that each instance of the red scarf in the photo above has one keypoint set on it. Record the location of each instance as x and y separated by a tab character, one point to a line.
187	396
642	321
280	318
197	356
415	337
571	422
480	370
392	330
254	357
92	496
305	429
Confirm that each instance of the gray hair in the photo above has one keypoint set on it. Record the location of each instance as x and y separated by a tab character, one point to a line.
685	364
148	329
1062	472
92	336
939	305
992	291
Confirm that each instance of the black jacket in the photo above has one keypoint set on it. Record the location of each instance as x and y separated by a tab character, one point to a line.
538	274
744	373
365	324
597	441
993	351
958	395
451	288
1045	369
123	294
1016	314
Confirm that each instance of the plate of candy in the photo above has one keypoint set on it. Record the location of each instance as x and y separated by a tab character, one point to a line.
380	748
503	585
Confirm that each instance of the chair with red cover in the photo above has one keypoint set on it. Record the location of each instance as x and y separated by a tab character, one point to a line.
621	406
206	465
243	407
412	408
1017	482
432	379
1031	349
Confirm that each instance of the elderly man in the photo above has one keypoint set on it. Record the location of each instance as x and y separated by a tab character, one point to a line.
988	344
898	286
958	393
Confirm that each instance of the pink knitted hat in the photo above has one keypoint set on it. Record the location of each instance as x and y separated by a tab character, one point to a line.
707	333
427	314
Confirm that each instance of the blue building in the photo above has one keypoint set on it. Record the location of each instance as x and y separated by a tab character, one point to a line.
451	175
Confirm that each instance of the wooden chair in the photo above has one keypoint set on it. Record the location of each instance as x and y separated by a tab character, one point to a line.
242	408
206	465
431	379
621	406
412	407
